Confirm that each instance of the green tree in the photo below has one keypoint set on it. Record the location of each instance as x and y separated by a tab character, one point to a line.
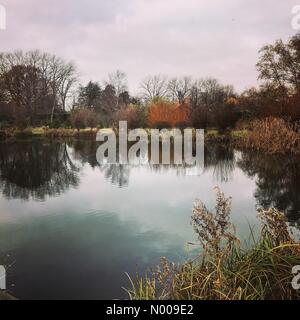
90	95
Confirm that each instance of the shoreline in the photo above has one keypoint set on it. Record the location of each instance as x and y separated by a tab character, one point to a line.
5	134
242	139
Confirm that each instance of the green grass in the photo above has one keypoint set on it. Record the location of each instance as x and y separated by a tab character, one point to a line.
48	132
239	134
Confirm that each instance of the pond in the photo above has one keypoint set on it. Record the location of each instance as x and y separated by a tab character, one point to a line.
71	229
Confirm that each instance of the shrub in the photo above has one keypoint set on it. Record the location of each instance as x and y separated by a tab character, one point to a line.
225	117
200	117
78	120
273	135
133	114
91	118
82	118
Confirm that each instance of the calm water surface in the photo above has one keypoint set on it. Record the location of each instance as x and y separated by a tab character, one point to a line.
70	229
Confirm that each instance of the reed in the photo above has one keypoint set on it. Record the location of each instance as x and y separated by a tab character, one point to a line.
272	135
223	270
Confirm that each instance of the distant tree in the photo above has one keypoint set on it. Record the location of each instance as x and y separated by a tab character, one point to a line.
67	82
279	64
154	87
25	87
90	95
180	89
164	114
119	81
208	98
132	114
210	93
124	99
38	82
108	104
227	115
200	117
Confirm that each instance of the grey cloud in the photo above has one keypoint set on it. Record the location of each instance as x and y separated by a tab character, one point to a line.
200	38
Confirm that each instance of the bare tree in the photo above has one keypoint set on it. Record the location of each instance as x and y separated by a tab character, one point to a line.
180	89
209	93
61	77
154	87
51	80
119	81
68	80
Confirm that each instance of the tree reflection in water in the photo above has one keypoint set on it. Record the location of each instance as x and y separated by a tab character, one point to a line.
278	181
85	151
222	160
36	169
40	168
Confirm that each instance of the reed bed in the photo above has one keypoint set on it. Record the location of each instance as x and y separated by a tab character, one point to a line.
274	136
223	270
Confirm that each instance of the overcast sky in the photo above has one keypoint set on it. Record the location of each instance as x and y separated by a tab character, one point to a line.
212	38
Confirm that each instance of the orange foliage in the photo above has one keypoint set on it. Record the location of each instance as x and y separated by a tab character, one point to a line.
232	101
169	113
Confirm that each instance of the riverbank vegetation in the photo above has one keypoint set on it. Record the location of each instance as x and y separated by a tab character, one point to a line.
272	135
225	269
39	90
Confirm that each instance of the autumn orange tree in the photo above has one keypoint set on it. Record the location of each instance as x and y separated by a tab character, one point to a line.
163	113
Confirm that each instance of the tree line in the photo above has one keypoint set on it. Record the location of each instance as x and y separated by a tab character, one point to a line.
41	89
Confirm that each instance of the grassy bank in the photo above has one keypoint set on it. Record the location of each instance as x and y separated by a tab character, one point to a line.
270	135
47	132
228	136
210	134
223	270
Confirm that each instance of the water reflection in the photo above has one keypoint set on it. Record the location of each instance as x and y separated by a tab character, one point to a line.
41	168
85	225
219	157
277	179
86	262
222	159
36	169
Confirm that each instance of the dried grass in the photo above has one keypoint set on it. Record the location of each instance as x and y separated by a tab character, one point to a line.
223	270
273	135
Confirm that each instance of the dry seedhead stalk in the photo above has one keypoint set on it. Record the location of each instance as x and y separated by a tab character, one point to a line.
214	230
274	226
165	275
225	271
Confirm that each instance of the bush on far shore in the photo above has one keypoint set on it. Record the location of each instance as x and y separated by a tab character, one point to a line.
273	135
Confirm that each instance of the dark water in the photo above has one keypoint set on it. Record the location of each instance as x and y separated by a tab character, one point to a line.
70	229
